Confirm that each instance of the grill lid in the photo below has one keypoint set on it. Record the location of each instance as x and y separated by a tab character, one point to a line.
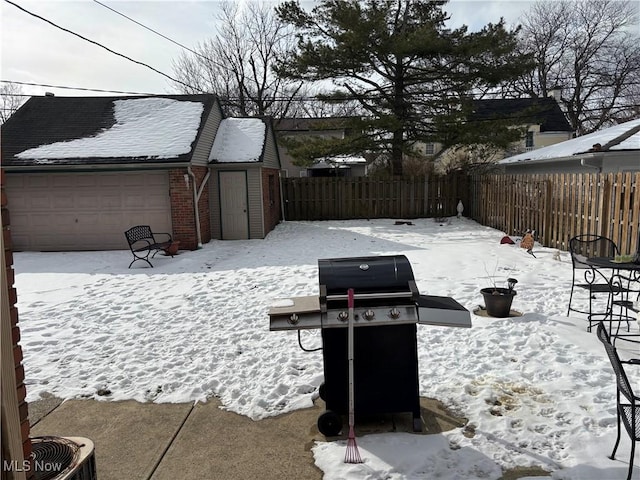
381	274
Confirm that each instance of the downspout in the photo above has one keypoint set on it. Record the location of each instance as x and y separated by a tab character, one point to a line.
281	196
598	168
197	192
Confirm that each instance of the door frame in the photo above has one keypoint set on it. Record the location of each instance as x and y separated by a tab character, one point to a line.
246	191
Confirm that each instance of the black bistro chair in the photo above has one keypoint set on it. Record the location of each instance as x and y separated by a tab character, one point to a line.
625	306
627	403
582	247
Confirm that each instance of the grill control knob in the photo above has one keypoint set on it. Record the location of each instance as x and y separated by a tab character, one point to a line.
343	316
394	313
369	314
293	319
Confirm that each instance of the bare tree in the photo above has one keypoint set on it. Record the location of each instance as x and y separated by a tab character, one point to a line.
11	98
236	64
588	49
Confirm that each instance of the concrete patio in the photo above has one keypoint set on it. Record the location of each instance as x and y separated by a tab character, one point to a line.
149	441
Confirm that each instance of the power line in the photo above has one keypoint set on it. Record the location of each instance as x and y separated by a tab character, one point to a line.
150	29
102	46
71	88
516	116
197	72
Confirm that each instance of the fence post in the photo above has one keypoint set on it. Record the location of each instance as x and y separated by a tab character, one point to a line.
605	212
548	197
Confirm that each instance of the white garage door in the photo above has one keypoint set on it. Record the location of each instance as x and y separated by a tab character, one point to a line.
85	211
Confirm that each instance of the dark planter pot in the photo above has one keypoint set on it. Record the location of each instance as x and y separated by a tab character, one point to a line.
498	301
173	248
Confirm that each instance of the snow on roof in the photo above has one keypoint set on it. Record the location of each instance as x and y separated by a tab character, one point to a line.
144	127
239	140
583	144
346	159
338	161
631	143
322	165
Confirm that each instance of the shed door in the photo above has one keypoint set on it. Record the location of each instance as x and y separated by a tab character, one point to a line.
234	218
85	211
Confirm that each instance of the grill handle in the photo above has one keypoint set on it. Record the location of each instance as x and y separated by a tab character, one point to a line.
364	296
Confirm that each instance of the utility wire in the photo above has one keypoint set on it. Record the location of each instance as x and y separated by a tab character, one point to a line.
515	116
197	72
150	29
138	62
71	88
210	60
102	46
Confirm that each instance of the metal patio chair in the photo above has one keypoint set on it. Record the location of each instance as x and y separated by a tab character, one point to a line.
627	403
582	247
625	306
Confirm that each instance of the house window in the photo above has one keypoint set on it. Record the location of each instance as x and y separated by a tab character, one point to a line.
528	143
430	149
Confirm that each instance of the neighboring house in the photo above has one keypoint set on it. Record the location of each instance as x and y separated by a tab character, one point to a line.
334	127
82	170
614	149
543	118
545	122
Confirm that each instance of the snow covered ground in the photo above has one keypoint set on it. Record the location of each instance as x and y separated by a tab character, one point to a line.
538	390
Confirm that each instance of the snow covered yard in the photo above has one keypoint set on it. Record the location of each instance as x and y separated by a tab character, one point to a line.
537	389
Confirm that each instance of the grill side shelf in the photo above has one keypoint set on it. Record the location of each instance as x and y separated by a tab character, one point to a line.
301	313
305	313
442	311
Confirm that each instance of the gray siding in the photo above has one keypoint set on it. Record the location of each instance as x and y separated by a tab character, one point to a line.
288	168
254	192
271	159
205	142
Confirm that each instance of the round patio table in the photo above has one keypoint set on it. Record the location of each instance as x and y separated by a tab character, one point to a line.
623	282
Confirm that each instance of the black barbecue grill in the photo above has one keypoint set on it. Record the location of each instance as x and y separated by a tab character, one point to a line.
387	308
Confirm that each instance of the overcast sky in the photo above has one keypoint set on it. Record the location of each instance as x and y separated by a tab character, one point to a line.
37	52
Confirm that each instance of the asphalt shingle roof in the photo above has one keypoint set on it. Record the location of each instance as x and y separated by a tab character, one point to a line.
543	111
47	120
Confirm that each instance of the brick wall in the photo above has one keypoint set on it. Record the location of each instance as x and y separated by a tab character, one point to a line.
182	211
21	390
270	199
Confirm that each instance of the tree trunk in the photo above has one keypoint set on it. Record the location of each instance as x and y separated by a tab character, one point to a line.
396	153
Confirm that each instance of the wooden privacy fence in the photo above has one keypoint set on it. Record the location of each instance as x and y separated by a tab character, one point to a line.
560	206
556	206
320	198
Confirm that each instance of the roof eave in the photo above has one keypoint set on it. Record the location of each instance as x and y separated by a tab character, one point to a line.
215	163
94	167
588	161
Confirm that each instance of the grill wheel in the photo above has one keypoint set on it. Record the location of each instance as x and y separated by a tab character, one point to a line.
330	424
